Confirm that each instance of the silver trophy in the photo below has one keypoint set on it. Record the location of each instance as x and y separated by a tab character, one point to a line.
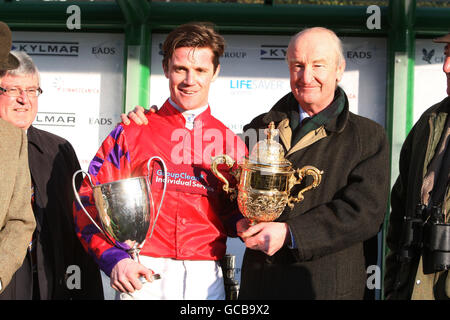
125	208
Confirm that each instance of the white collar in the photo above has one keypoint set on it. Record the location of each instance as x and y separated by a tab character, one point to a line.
195	112
189	115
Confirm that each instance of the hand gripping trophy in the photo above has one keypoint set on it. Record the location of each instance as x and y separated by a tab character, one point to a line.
125	209
265	180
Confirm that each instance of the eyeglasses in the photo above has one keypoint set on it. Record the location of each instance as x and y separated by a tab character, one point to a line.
17	92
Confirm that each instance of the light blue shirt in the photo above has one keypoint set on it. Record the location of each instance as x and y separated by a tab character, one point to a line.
303	114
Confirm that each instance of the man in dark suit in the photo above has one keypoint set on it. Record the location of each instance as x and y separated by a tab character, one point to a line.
56	266
316	250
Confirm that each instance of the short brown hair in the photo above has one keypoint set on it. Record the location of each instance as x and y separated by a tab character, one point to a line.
194	35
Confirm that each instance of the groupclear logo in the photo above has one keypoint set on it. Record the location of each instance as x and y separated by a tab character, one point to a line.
47	48
183	179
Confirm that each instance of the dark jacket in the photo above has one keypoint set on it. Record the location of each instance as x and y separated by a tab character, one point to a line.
416	154
52	162
331	224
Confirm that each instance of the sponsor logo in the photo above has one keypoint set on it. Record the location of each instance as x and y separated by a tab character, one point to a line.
359	54
427	55
183	179
258	84
55	119
60	86
103	50
272	52
101	121
47	48
235	55
431	58
241	84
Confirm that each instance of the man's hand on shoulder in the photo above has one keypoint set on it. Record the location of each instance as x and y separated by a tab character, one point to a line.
138	115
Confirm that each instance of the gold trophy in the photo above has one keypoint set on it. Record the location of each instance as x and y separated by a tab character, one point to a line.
265	180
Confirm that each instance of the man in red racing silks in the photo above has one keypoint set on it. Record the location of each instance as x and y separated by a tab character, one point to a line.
196	216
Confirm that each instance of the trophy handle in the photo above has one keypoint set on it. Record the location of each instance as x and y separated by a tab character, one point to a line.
150	191
303	172
227	160
77	197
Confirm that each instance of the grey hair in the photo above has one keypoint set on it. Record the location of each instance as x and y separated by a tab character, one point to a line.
26	66
337	41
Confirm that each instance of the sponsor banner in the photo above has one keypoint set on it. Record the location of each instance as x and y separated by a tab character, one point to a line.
81	76
430	83
254	76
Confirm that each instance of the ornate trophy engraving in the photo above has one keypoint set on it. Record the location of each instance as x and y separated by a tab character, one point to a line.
265	180
125	209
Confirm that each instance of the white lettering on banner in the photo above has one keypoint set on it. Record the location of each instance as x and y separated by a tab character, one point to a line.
374	21
182	175
183	182
74	21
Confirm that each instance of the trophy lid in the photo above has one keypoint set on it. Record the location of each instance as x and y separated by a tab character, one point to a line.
268	151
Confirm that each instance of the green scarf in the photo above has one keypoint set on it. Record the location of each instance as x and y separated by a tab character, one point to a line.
330	112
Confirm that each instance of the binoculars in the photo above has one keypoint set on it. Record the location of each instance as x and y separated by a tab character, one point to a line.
427	232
